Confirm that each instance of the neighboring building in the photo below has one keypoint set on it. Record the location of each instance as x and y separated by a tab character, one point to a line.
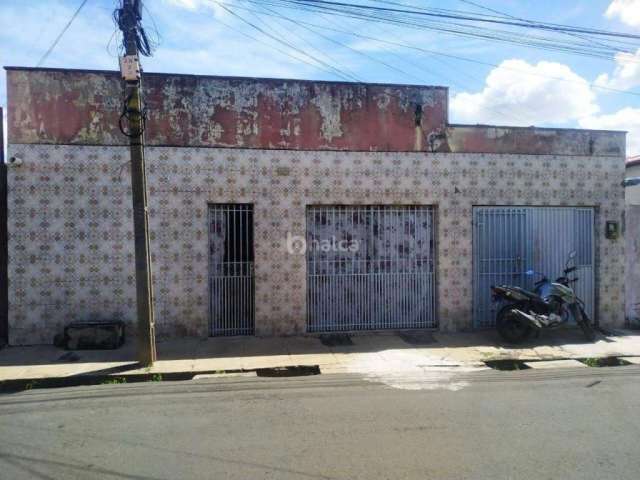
632	244
632	194
4	252
408	219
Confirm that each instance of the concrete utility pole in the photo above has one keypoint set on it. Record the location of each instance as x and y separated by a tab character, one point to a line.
130	15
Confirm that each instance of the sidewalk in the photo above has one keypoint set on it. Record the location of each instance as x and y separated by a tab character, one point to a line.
399	352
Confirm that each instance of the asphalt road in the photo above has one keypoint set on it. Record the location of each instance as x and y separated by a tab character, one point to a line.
566	424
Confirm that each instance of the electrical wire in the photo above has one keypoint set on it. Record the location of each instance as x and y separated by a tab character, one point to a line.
450	22
273	37
60	35
474	18
255	39
339	70
456	57
143	44
506	15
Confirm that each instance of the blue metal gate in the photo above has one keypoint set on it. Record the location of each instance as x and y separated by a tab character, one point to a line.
508	241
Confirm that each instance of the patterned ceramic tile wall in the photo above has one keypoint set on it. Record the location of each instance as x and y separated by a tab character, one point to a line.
71	245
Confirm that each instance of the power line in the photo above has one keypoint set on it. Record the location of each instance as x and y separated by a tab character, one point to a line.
340	70
315	65
450	24
64	30
273	37
458	57
503	14
369	57
305	41
474	18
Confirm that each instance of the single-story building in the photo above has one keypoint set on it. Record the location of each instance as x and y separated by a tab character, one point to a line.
280	207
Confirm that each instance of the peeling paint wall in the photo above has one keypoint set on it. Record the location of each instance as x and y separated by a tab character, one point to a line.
531	140
73	107
82	108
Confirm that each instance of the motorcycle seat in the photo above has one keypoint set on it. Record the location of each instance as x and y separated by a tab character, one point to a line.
531	295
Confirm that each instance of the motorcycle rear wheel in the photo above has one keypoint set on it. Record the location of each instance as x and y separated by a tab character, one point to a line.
510	327
585	326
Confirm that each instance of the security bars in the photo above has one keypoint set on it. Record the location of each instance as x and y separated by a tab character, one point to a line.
231	277
370	268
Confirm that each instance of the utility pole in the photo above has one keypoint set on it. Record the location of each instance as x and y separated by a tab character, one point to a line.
129	16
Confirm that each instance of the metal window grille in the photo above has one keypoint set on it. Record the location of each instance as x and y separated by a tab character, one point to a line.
370	268
231	276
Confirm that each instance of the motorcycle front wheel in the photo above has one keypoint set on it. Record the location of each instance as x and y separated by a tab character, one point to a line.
510	327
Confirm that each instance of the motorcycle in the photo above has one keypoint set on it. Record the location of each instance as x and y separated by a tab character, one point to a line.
550	305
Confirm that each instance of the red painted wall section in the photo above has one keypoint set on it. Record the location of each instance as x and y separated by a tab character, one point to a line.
82	107
77	107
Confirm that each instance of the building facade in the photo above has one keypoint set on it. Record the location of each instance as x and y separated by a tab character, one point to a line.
280	207
632	244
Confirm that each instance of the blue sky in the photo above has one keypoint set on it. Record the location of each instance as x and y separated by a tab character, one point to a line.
198	36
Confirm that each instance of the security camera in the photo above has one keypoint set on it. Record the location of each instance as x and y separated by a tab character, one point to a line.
15	161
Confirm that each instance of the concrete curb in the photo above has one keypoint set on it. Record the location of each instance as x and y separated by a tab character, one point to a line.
22	384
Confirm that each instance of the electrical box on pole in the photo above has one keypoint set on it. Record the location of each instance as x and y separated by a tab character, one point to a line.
130	68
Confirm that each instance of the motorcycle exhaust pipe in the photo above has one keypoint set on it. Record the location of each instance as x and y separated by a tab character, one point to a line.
529	319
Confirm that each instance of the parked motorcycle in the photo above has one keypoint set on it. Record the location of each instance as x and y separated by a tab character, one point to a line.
550	305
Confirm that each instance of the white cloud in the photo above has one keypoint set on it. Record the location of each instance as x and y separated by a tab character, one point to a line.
191	4
626	74
627	11
520	93
626	119
200	4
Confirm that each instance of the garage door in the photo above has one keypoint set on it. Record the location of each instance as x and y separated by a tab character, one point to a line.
508	241
370	268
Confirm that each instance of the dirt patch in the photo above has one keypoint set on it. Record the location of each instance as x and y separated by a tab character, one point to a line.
604	362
